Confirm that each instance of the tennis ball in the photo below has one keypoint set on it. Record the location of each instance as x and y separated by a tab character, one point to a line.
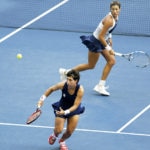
19	56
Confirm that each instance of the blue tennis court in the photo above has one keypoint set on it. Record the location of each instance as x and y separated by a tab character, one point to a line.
120	121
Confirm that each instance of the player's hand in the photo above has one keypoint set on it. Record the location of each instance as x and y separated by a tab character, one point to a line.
112	52
61	112
40	103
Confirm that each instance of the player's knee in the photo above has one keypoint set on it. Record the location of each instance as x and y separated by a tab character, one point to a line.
58	131
112	62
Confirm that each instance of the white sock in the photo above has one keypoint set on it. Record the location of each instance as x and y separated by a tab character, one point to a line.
102	82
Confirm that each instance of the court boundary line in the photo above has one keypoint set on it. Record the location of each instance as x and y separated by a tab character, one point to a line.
33	20
133	119
81	130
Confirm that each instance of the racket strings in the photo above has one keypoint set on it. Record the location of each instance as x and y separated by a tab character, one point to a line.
34	116
140	59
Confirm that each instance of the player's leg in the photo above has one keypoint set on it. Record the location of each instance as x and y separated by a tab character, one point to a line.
110	63
59	125
110	59
92	60
71	126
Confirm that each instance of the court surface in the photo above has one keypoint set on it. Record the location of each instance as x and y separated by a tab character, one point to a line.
118	122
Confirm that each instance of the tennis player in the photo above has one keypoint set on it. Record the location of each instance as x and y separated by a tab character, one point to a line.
68	108
100	42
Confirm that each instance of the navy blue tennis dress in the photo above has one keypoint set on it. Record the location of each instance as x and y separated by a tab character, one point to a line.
67	101
92	42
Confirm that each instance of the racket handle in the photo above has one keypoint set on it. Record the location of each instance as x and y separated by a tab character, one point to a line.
38	106
37	109
118	54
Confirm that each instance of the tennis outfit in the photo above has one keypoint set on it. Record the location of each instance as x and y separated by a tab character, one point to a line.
67	101
92	42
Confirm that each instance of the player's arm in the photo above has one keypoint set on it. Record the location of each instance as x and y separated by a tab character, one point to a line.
107	23
109	41
51	89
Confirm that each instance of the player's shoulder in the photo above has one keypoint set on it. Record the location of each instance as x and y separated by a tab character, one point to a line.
81	88
80	92
108	20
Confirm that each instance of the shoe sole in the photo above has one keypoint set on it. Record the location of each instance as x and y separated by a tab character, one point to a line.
101	93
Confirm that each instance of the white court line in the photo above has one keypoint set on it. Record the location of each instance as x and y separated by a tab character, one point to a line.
33	20
133	119
81	130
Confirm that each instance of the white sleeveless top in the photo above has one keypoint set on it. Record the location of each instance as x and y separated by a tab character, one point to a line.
100	26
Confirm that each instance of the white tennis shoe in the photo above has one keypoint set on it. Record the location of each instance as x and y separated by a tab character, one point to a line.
101	90
62	73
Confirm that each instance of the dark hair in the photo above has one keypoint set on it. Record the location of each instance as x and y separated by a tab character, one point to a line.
115	3
74	74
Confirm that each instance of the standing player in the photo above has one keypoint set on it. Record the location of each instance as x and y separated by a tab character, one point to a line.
67	109
100	42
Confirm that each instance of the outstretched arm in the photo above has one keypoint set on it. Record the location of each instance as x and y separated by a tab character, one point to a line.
48	92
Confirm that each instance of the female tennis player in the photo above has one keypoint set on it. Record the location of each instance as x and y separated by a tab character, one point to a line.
68	108
100	42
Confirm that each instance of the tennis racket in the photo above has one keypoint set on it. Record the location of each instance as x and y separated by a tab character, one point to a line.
34	116
138	58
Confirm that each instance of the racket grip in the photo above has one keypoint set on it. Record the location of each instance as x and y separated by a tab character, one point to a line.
118	54
38	108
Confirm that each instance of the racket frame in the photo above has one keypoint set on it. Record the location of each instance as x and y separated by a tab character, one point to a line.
37	114
129	57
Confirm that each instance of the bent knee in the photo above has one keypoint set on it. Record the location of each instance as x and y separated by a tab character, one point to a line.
58	131
112	62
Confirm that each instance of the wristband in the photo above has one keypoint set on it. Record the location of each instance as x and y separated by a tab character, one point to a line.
42	98
67	112
109	35
108	47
